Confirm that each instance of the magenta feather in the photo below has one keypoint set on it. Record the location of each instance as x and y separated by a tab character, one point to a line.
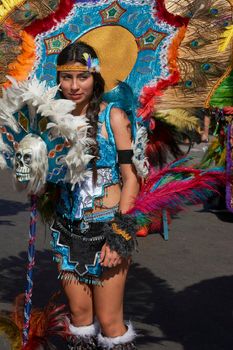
174	188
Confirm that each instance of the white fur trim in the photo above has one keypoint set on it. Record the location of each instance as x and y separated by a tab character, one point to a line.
139	147
84	331
109	343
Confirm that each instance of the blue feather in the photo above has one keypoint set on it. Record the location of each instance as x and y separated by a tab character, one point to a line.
123	97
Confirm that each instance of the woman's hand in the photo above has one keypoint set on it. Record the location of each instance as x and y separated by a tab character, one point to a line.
109	258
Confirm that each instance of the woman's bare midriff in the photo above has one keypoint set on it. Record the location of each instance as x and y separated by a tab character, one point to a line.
110	199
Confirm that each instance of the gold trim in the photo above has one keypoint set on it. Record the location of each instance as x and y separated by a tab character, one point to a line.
120	232
75	68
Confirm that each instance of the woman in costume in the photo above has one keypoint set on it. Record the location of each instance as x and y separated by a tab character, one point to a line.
90	240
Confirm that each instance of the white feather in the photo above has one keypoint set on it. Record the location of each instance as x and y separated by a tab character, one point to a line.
3	164
36	94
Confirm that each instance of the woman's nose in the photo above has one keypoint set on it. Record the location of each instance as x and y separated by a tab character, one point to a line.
74	84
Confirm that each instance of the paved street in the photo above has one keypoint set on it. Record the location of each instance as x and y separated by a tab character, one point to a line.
179	292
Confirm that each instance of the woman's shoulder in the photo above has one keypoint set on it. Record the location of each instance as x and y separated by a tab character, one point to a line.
113	109
118	117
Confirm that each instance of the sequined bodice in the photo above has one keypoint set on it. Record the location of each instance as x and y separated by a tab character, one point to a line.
73	203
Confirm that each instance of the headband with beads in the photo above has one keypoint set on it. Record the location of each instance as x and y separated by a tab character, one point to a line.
92	65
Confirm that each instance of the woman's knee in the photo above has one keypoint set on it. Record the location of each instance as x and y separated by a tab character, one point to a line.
81	315
112	325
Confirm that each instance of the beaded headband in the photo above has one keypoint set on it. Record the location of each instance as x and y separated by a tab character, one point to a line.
92	65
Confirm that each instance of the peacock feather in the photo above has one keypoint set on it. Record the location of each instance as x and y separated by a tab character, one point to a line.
200	64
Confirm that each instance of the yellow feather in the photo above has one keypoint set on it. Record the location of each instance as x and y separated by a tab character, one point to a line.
9	328
86	56
180	118
222	158
226	38
7	6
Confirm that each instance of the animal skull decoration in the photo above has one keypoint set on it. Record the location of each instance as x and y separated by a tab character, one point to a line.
31	163
23	161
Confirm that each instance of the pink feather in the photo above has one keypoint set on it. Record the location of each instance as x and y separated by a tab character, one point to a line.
194	188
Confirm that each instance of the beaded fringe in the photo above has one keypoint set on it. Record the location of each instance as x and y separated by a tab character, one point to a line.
71	276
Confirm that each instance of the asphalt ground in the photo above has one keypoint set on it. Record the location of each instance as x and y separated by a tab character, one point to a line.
179	293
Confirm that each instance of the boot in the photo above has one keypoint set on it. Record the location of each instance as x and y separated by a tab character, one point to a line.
124	342
82	338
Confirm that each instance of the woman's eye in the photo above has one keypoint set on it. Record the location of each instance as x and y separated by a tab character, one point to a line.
65	77
83	77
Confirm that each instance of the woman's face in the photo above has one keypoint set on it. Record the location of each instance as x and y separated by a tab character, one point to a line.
77	86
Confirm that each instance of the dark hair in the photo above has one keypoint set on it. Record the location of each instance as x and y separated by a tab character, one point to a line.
74	53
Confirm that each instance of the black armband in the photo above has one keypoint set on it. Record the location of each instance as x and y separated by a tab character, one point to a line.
125	156
121	234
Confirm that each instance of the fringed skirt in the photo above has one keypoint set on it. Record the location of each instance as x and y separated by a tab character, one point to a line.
77	245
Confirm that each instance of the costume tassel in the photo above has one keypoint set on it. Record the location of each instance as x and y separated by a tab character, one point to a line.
229	168
31	259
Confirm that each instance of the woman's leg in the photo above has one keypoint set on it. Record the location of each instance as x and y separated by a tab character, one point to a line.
79	297
83	331
108	306
205	134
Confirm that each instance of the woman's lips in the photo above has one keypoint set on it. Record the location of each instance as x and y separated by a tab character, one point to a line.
76	96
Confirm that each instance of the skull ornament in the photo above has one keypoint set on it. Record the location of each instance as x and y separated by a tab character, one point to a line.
31	163
23	162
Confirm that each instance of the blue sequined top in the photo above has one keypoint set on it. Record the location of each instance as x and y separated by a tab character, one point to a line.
73	203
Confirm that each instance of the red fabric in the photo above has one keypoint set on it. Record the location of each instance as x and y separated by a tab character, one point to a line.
42	25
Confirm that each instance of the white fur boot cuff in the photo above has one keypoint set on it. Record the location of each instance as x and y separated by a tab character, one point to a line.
109	343
84	331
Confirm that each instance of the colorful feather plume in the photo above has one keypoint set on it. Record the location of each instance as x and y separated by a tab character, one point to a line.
199	63
44	323
173	188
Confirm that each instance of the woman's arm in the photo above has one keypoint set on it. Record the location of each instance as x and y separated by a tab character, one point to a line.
123	137
122	133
